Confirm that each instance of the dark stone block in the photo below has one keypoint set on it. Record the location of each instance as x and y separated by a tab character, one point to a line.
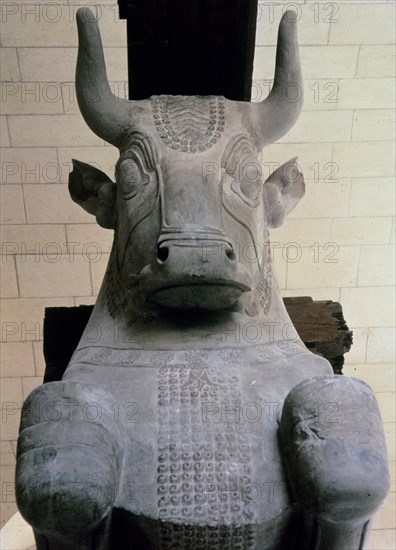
63	327
192	48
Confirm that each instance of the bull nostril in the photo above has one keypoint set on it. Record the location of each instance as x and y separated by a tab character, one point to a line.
162	254
230	254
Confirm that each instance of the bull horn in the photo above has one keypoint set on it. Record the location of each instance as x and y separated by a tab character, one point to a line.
274	116
105	113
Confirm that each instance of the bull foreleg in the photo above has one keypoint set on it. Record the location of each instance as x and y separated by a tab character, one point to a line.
333	444
68	466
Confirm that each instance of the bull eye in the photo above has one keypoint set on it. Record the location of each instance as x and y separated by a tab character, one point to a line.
131	178
250	179
250	188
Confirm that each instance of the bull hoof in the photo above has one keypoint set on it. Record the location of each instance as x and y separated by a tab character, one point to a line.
65	492
68	469
334	445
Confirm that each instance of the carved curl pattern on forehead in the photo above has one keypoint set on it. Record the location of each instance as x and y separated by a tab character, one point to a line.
189	124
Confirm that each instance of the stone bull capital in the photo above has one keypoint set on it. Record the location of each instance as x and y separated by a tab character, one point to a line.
171	430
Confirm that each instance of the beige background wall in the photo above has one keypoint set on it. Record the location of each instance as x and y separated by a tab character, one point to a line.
343	231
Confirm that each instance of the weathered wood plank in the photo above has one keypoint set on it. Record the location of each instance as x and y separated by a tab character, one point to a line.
322	328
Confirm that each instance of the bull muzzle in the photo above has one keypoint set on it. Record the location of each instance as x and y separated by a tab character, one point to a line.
194	273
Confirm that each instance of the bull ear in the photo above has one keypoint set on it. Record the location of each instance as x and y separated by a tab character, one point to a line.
283	191
93	191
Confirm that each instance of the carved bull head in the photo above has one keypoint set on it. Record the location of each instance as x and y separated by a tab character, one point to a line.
189	195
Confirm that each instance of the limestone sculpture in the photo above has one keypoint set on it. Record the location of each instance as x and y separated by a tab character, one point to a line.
190	416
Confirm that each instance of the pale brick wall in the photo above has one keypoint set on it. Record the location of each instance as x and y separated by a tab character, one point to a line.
343	230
